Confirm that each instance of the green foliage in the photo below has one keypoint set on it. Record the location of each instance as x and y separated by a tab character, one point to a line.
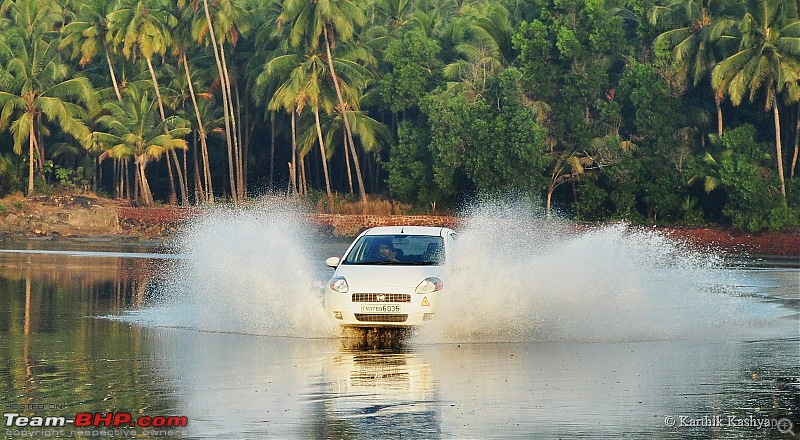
73	179
663	191
605	105
592	201
453	125
646	102
11	177
754	201
625	183
692	214
512	157
498	146
413	70
410	174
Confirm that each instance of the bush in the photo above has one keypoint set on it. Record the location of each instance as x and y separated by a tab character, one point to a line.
754	201
72	179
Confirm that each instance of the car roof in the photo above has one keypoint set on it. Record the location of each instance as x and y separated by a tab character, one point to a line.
409	230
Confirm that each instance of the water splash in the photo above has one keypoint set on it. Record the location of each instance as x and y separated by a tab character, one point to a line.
245	270
520	277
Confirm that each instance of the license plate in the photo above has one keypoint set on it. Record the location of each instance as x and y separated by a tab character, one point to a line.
380	308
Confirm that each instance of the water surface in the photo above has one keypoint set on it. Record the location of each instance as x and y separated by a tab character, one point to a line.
211	332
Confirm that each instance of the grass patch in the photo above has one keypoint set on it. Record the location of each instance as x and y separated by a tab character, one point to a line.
374	205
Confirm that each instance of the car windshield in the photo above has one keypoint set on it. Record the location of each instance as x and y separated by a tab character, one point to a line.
397	250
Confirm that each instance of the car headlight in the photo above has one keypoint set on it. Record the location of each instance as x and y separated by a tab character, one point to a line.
430	284
339	284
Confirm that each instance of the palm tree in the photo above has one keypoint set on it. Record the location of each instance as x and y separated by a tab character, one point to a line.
132	130
230	19
88	33
697	37
768	59
36	85
181	43
395	14
144	27
793	165
302	87
483	40
208	116
269	44
327	22
372	134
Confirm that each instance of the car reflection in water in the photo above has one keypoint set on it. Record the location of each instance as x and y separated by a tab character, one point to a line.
379	393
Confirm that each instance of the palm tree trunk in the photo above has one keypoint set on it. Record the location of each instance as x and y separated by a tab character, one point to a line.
184	197
173	198
324	158
38	144
303	178
157	90
226	109
111	70
131	185
201	132
796	142
347	162
31	153
137	185
271	150
38	152
123	179
343	109
293	165
207	171
718	102
778	147
186	173
97	179
145	193
199	194
237	145
117	178
182	183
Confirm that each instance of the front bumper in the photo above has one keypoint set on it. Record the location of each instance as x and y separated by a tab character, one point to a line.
398	308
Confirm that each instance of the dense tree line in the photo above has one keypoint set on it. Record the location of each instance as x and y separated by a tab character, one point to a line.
644	110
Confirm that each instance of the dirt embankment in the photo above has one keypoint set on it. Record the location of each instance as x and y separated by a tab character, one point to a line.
80	216
784	243
83	216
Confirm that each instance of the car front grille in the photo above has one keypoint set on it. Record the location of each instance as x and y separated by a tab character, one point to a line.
372	317
382	297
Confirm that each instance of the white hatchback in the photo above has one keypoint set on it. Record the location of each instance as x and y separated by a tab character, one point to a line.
390	276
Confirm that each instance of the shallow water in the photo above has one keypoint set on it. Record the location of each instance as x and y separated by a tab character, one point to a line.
191	333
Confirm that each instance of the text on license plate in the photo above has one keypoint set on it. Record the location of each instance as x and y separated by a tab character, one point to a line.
380	308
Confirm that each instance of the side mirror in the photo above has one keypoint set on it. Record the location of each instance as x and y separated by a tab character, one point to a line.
332	262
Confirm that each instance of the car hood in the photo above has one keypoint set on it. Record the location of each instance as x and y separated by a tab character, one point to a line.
368	276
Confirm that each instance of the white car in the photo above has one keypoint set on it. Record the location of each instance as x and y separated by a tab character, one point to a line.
390	276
